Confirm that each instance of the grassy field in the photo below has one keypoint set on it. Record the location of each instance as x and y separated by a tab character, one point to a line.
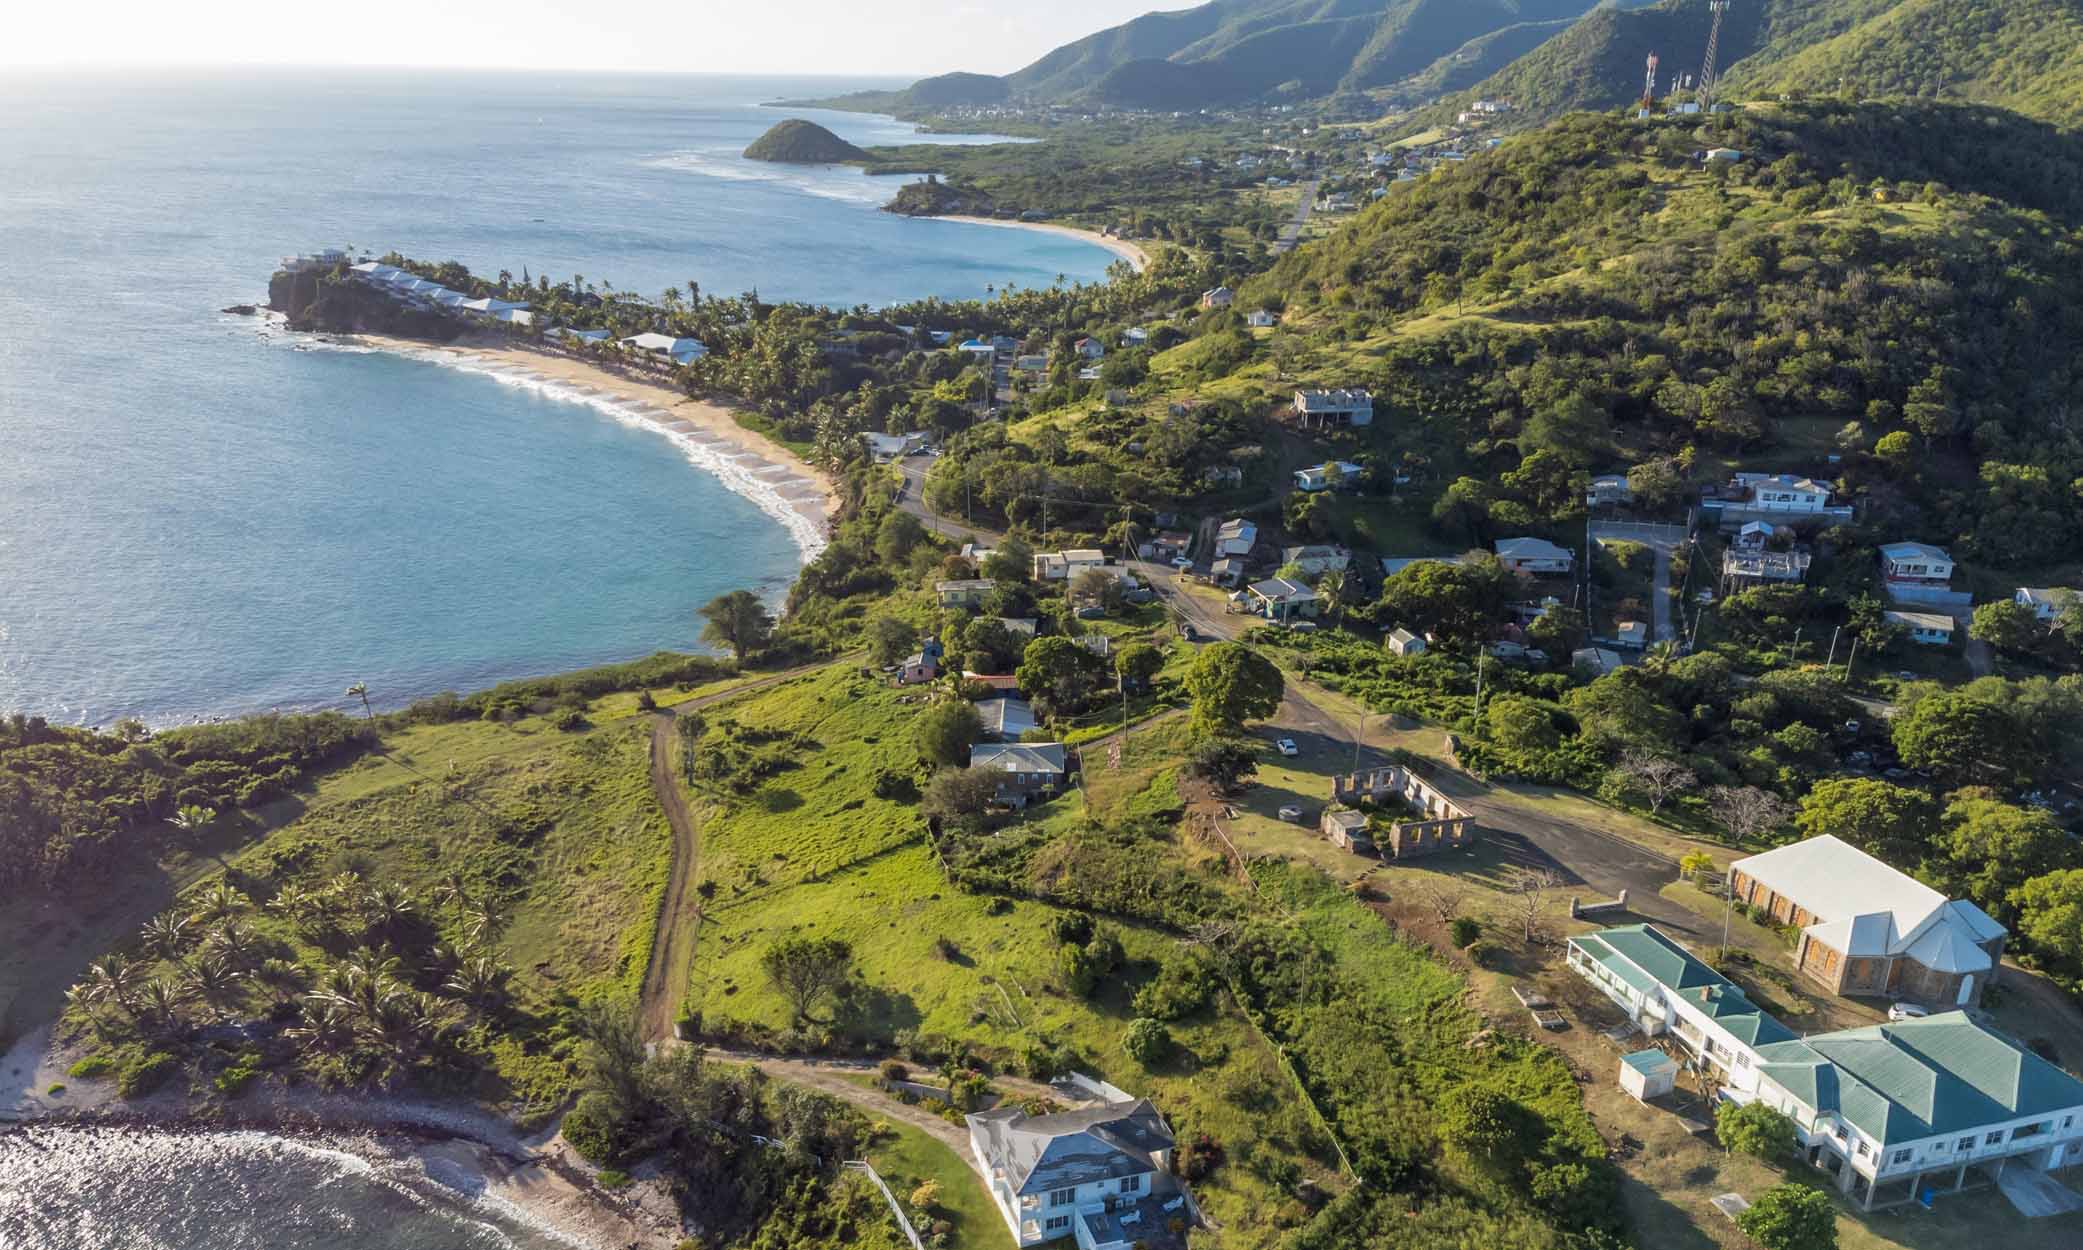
906	1158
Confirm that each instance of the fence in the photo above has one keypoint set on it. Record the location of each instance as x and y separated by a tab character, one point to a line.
911	1234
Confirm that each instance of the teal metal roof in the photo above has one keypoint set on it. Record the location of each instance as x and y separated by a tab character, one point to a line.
1649	1062
1643	957
1920	1078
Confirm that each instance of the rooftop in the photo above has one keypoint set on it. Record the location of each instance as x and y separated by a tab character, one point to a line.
1644	958
1531	549
1018	757
1843	886
1042	1153
1915	551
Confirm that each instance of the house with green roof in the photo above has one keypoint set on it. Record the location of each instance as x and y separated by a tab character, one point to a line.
1894	1111
1665	989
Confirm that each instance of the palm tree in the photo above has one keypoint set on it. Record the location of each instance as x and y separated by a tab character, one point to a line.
480	982
479	924
165	935
160	1002
1331	585
360	690
282	977
219	901
216	983
115	980
326	1027
193	818
231	941
386	908
454	888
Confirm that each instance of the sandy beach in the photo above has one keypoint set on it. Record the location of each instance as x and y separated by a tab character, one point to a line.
1127	251
473	1152
785	485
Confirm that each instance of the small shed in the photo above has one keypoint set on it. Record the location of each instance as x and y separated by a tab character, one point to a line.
1347	828
1648	1074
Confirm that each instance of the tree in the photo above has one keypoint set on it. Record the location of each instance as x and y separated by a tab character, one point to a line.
1230	684
1623	709
1100	587
1011	561
614	1053
739	621
1221	762
1754	1129
947	731
1659	777
1060	671
959	795
1656	484
1747	811
1530	887
1518	723
1458	602
1889	821
2050	917
1958	736
1993	848
889	640
360	690
1137	663
2005	624
1791	1217
898	533
1147	1041
807	970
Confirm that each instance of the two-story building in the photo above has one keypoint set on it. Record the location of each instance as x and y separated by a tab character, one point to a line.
1024	769
1782	492
1895	1112
1868	929
1101	1175
1334	408
1063	566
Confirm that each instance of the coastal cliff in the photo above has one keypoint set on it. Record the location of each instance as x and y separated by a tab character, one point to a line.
934	198
314	299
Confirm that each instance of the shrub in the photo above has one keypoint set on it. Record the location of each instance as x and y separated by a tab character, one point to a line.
568	719
143	1075
1485	953
233	1080
1466	930
1754	1129
1073	928
1148	1041
90	1067
645	702
894	1070
613	1178
1183	986
594	1128
946	949
895	786
56	1089
1791	1217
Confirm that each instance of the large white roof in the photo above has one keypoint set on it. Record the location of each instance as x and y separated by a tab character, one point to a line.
1864	907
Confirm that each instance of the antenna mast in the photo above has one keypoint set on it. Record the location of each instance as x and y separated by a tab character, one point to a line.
1649	87
1717	7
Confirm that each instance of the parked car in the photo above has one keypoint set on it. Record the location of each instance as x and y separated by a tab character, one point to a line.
1906	1011
1287	747
1181	563
1189	633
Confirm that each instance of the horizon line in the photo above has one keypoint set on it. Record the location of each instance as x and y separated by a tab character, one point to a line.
299	66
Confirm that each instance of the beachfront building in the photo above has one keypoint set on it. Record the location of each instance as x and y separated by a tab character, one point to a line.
679	351
1335	408
1868	929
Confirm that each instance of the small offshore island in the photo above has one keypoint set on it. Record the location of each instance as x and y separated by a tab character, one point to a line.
799	142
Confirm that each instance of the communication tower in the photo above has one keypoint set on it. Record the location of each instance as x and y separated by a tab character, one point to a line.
1718	8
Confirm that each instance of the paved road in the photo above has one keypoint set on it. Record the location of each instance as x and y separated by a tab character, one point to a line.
1291	233
914	469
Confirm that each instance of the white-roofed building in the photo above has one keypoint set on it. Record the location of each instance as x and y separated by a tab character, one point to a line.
1915	564
1402	642
583	336
886	447
1235	538
1326	409
1332	473
1534	556
1006	718
681	351
1868	929
1310	561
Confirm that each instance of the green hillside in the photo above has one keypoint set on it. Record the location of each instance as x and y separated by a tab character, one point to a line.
797	142
1891	276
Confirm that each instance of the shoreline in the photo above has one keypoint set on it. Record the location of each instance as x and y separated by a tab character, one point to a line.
798	495
471	1153
1130	252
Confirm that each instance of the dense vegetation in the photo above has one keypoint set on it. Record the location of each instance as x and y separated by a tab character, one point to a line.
800	142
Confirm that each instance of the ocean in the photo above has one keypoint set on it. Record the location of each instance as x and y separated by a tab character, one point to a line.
203	516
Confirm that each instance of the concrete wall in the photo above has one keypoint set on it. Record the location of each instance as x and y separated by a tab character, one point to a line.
1441	825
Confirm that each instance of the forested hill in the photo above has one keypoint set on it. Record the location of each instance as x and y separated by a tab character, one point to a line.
2022	54
1900	276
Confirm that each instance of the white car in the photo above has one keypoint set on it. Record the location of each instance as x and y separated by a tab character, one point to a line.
1287	747
1181	563
1906	1011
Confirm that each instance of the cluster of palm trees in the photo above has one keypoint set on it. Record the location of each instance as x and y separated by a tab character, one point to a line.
365	1007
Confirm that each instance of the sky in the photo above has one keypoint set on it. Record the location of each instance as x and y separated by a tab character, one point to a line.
848	37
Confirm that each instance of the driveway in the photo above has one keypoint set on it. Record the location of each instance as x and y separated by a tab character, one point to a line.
1661	539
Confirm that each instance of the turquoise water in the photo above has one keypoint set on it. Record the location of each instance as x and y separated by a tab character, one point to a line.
200	518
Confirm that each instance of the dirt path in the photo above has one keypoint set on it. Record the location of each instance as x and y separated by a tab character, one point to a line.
830	1076
679	925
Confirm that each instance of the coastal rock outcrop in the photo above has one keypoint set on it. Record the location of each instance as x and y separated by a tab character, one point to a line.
322	300
797	142
934	198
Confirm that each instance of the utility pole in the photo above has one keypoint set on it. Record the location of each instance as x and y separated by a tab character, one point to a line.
1832	661
1849	658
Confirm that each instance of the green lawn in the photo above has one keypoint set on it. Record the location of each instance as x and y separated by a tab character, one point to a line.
905	1157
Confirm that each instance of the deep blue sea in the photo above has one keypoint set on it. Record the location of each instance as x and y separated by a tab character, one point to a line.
198	517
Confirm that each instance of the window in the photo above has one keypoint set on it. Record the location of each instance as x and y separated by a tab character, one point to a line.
1864	1150
1967	1143
2028	1130
1057	1221
1131	1184
1901	1156
2067	1120
1993	1139
1063	1197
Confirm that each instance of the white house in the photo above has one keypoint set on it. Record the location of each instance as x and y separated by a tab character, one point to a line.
1916	564
1260	319
1933	629
1236	538
1324	409
1101	1175
1402	642
1895	1111
2046	602
1723	154
1318	477
1278	599
887	447
964	593
1534	556
1060	566
1783	492
1134	336
680	351
1090	349
1316	559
